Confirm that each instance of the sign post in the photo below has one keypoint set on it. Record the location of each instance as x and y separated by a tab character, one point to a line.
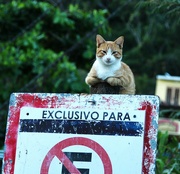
81	134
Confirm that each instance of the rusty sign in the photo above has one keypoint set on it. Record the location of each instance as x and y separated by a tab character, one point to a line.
75	133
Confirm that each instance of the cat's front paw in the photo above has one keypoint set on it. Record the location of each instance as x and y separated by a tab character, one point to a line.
114	81
91	81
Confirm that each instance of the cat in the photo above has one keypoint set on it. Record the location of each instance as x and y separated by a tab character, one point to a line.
109	68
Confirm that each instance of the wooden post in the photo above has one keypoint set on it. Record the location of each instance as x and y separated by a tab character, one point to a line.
104	88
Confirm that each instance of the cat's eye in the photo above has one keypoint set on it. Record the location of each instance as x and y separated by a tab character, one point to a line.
103	51
114	52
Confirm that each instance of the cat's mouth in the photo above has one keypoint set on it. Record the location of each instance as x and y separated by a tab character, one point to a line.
108	62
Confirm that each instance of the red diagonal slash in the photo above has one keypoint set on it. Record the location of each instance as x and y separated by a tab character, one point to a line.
57	151
62	157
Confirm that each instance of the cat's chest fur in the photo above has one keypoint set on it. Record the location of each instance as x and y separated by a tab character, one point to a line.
105	71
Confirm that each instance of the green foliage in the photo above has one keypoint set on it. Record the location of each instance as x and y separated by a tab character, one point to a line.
168	155
168	152
170	113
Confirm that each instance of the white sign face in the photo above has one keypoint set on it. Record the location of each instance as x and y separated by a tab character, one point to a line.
118	133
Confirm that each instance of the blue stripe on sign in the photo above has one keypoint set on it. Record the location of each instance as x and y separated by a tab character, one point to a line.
120	128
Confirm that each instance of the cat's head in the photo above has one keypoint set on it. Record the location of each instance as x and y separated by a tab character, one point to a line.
109	52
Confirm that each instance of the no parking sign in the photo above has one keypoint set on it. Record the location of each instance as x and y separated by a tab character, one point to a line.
81	134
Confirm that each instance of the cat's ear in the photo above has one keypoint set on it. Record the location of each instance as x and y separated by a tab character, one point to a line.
99	40
119	41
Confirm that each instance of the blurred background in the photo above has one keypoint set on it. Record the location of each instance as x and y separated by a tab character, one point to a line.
48	46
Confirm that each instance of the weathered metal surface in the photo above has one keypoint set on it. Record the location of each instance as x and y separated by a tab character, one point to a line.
1	154
103	104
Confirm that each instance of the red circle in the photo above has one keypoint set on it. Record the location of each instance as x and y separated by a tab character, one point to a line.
57	151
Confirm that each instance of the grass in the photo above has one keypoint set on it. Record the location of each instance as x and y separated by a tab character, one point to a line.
168	154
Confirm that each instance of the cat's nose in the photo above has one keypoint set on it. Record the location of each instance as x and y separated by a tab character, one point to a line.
108	59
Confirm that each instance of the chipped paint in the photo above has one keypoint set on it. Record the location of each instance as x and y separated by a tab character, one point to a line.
150	104
150	139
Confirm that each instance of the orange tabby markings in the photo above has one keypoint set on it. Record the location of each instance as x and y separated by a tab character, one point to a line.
109	68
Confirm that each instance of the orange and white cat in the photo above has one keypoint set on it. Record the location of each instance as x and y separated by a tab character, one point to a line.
109	68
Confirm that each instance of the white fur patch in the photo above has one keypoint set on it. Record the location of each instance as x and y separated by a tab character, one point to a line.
104	71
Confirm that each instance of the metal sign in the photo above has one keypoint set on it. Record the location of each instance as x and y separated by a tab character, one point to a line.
81	134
